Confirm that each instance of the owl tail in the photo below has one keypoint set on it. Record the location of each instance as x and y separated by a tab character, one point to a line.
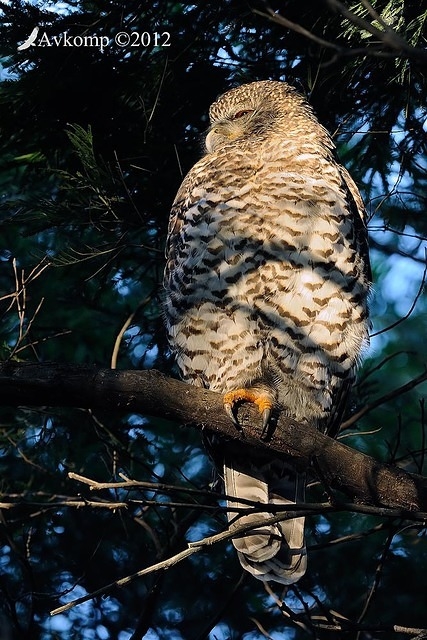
274	551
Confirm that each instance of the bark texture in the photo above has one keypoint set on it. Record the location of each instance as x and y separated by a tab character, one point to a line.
359	477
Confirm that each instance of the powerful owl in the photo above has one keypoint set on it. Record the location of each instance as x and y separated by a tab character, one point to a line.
266	289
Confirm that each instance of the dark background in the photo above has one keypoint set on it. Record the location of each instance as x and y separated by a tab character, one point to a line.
93	146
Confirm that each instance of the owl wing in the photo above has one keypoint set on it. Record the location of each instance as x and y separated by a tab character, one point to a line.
184	200
357	211
179	208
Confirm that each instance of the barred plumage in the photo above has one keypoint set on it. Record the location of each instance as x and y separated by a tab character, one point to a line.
266	286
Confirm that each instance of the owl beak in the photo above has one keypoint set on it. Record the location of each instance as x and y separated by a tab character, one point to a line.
221	132
210	140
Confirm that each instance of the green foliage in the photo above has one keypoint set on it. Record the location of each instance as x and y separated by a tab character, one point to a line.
93	146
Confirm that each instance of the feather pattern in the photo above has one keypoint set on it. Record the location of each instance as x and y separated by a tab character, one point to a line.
266	288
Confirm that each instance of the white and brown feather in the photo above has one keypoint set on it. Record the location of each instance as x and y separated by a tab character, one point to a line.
267	275
267	271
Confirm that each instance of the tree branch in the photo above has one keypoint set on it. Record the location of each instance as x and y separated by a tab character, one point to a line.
358	476
388	37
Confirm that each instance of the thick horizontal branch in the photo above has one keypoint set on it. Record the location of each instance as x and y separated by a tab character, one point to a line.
358	476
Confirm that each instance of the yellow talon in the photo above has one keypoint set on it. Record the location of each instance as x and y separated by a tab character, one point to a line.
263	400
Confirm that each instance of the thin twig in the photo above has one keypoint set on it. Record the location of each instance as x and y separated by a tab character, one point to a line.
294	26
220	611
119	338
261	628
350	537
193	547
123	330
285	610
19	297
379	365
378	572
385	398
412	307
127	483
165	564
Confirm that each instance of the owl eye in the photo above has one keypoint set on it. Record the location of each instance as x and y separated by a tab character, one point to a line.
240	114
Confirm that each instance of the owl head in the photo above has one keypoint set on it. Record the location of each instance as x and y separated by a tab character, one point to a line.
258	110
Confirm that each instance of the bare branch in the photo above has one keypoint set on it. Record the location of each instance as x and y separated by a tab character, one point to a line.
359	477
388	37
334	622
70	502
385	398
378	573
123	330
294	26
128	483
412	307
192	547
123	581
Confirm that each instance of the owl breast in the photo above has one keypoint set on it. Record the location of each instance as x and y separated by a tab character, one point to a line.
267	284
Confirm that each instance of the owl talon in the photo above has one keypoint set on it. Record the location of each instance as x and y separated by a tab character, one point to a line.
228	408
266	414
261	398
